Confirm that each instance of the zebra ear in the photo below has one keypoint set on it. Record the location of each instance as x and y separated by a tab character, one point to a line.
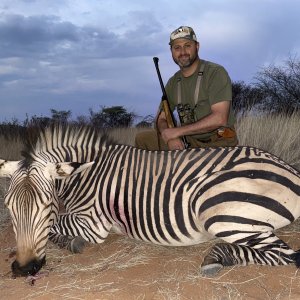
65	169
7	168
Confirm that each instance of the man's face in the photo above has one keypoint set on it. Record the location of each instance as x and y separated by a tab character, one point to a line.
184	52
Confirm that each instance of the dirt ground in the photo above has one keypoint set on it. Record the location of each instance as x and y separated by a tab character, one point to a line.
122	268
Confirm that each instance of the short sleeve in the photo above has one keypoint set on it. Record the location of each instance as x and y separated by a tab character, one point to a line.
219	86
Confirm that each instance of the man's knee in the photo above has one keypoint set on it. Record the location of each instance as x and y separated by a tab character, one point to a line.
140	139
147	140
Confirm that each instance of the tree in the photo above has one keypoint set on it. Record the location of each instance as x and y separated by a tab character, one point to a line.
82	120
246	97
36	121
60	116
146	122
281	86
110	117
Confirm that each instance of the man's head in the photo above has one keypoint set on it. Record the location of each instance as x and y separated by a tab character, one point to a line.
184	46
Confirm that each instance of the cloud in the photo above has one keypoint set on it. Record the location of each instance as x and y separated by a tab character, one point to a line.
35	36
43	49
48	37
50	63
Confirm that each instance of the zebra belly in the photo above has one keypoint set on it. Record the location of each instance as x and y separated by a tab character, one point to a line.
194	239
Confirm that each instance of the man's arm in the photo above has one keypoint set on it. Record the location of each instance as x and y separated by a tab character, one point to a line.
162	126
217	118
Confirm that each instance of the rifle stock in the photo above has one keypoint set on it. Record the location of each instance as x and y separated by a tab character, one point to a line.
165	104
168	113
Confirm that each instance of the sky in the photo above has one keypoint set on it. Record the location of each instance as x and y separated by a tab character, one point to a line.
79	55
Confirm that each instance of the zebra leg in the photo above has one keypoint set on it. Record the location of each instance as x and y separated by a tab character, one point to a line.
73	244
264	249
73	232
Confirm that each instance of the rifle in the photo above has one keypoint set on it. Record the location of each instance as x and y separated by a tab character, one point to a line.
166	106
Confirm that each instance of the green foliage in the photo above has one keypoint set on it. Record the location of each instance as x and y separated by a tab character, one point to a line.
57	116
112	117
106	117
60	115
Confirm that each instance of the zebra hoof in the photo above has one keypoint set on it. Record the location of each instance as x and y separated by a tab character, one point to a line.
77	244
211	269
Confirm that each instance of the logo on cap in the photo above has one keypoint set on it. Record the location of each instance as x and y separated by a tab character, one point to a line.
183	32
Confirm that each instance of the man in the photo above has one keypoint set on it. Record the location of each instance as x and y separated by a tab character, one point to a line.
201	93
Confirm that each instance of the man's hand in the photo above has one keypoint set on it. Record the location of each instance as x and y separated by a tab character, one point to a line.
172	139
169	134
175	144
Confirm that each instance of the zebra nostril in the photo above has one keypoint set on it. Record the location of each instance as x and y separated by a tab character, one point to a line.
35	269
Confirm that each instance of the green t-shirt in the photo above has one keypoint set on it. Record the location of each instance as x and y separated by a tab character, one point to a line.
215	87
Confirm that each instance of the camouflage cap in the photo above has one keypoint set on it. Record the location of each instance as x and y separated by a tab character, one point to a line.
183	32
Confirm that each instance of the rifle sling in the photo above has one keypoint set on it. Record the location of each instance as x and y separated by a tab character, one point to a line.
197	88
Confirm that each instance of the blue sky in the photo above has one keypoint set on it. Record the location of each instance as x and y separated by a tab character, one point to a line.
81	54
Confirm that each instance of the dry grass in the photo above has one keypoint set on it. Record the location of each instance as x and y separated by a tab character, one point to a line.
124	135
126	269
10	148
278	134
4	214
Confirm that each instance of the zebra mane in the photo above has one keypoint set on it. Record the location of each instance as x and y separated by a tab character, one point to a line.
64	142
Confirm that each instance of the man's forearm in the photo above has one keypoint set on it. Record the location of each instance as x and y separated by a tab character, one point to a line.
218	118
204	125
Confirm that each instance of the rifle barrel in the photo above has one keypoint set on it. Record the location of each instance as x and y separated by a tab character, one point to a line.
156	59
165	99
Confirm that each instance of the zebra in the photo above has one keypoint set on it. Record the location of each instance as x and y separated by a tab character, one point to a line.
239	195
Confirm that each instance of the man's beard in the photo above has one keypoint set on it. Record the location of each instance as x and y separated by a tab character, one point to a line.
185	61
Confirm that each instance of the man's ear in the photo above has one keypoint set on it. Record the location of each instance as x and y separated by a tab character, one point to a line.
7	168
65	169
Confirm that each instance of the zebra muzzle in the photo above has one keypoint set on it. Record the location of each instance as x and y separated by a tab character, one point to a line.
30	268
